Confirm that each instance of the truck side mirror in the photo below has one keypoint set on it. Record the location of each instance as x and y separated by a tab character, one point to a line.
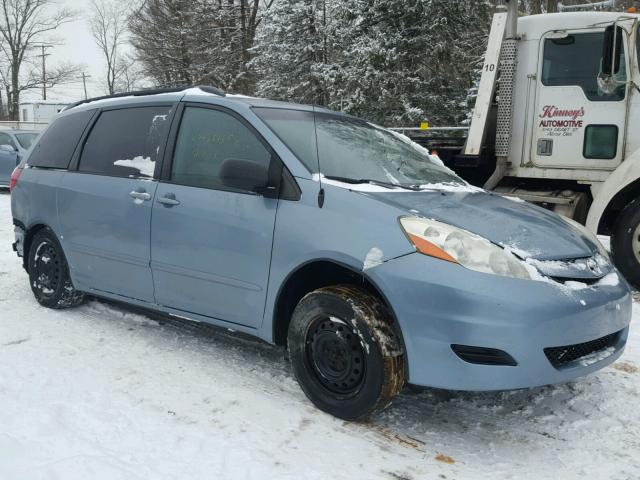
611	59
612	50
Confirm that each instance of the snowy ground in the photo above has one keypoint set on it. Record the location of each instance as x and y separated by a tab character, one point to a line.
102	393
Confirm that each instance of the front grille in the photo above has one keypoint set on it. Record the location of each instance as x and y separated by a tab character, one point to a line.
562	356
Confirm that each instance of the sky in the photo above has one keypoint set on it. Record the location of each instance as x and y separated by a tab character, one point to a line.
76	46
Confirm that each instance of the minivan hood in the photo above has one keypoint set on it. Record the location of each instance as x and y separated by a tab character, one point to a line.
528	230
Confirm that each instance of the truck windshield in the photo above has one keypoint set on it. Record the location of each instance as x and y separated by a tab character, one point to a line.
354	150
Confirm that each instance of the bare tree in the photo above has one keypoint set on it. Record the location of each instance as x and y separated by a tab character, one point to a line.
33	78
22	24
108	25
185	42
130	76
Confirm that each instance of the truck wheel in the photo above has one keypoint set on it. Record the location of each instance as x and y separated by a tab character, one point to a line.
49	273
344	352
625	243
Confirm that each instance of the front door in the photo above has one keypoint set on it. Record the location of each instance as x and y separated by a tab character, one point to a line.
577	124
105	206
210	240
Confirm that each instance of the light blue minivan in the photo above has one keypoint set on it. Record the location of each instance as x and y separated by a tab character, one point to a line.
374	264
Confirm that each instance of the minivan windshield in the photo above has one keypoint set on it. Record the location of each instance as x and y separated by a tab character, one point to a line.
26	139
355	151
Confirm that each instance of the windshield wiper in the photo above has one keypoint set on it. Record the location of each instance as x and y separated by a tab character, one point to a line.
378	183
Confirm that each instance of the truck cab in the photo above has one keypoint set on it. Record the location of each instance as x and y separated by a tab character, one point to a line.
556	121
576	113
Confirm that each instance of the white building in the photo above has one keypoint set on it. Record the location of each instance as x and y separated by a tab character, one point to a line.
41	111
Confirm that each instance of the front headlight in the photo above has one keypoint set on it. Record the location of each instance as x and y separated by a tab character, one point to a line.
456	245
589	234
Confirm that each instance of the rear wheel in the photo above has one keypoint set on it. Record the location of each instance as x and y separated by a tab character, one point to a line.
345	353
49	272
625	243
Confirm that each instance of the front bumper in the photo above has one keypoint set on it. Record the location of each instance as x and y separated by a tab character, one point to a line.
439	304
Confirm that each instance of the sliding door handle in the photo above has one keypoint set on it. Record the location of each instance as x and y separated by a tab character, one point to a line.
169	200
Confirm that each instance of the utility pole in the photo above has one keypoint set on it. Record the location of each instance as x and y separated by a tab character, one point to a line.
44	56
84	83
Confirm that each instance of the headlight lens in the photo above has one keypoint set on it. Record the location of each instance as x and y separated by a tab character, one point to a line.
456	245
589	234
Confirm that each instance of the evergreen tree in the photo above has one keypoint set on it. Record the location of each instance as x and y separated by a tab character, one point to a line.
410	60
295	52
392	61
188	42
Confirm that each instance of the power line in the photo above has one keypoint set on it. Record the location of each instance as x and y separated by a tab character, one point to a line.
44	56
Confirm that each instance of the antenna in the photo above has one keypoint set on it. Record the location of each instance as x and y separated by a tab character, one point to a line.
315	131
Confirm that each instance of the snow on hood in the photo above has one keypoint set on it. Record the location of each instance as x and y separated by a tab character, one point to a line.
529	231
369	188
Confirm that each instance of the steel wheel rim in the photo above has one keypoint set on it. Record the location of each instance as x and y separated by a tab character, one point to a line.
335	356
47	266
635	243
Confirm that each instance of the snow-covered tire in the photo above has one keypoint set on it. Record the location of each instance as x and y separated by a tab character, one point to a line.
625	243
345	353
49	273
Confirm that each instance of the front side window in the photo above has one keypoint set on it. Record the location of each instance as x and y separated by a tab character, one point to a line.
354	150
216	150
126	142
576	60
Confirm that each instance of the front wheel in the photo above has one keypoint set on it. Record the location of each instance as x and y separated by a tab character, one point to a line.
625	243
345	353
49	273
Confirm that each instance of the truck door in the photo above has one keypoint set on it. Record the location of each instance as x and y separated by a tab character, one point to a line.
576	124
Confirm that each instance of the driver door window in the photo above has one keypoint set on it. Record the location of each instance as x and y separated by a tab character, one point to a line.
212	149
576	60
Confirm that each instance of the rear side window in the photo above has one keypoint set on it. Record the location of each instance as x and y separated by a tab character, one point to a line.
126	142
58	142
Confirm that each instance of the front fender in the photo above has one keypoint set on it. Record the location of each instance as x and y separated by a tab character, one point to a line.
627	173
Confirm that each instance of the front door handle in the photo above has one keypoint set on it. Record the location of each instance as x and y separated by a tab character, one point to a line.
169	200
140	196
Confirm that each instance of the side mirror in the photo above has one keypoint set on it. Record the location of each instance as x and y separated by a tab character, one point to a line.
249	176
611	50
611	59
7	148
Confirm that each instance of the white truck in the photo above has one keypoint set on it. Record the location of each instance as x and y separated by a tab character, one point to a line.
563	129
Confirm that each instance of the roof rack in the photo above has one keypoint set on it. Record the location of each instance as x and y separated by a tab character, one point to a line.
150	91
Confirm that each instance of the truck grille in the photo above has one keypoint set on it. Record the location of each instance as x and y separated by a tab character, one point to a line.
562	356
